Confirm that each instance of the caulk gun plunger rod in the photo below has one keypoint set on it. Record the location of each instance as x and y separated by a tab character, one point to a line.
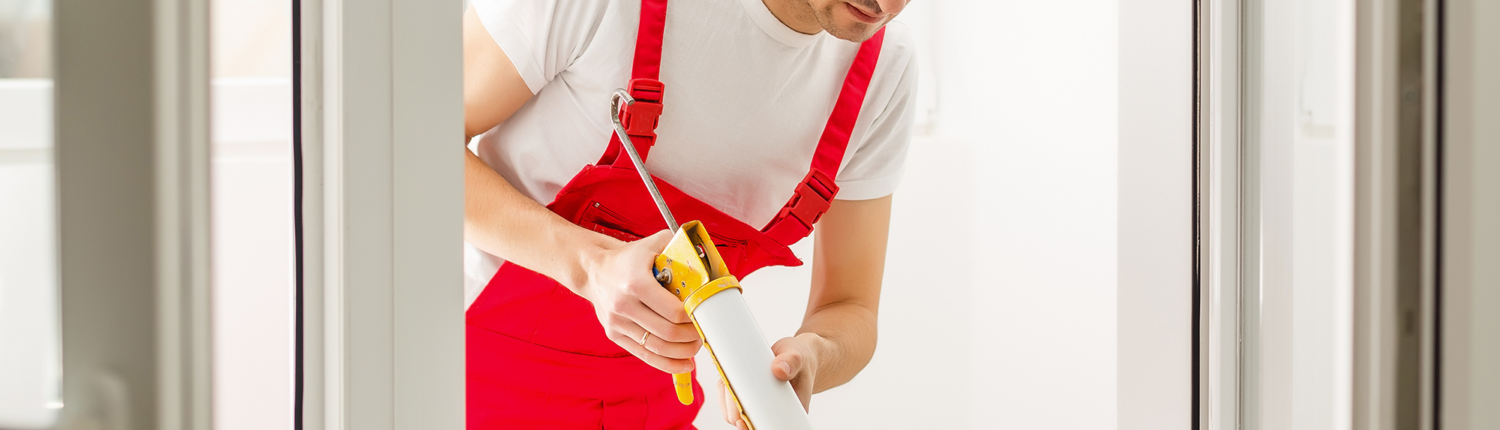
640	166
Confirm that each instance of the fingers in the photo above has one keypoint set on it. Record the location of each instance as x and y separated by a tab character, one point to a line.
665	364
669	349
788	361
674	341
674	350
731	409
667	330
659	300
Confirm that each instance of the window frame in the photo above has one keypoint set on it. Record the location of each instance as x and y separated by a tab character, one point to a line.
1376	301
1218	212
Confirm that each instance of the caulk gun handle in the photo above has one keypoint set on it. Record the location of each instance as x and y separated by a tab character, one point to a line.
681	382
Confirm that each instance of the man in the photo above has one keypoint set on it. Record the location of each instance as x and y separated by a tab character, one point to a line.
767	110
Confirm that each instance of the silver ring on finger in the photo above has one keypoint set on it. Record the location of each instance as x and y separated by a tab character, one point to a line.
643	337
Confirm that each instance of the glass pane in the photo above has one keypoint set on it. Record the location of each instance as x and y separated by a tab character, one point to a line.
251	53
30	347
1297	223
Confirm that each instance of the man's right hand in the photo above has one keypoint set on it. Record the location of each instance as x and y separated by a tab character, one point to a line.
633	307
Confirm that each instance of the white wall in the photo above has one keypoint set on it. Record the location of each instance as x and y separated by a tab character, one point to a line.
998	309
1155	215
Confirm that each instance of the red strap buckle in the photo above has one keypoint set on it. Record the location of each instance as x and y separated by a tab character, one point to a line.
640	118
808	204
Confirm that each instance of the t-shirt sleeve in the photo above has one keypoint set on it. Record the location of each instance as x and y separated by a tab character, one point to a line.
875	169
541	37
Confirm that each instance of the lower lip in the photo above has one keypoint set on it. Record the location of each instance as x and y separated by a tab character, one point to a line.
861	16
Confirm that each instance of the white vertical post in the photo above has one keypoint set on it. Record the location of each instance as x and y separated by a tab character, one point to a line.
384	298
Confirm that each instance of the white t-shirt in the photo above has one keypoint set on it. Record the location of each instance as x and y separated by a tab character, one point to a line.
745	101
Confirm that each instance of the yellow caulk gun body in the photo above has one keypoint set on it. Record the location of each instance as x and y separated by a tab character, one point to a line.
692	269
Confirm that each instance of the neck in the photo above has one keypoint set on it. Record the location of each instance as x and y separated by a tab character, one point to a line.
795	14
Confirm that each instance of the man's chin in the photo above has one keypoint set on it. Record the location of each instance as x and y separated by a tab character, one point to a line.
836	22
854	32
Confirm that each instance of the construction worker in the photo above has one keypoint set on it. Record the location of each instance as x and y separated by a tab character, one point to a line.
761	118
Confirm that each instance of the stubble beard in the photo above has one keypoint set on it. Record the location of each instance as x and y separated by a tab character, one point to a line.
857	32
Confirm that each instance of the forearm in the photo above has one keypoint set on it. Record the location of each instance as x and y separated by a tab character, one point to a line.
500	220
848	266
844	335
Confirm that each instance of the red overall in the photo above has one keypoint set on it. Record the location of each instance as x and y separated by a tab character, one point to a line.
537	356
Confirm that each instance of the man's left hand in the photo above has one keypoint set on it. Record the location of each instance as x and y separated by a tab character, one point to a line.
796	361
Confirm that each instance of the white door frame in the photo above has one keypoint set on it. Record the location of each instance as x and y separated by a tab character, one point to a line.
382	142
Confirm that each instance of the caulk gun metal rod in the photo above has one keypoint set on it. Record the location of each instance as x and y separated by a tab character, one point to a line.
640	166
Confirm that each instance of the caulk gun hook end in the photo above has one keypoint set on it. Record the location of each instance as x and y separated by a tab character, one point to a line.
620	93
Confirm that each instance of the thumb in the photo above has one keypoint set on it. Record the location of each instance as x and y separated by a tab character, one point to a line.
788	361
657	241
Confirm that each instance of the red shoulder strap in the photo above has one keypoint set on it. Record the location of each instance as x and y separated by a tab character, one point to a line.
648	40
640	118
835	140
815	193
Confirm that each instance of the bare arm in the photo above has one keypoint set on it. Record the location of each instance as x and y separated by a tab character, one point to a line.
498	219
848	265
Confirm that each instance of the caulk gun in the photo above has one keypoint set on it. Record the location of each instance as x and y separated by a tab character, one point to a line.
691	268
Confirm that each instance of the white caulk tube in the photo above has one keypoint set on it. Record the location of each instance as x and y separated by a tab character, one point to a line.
731	334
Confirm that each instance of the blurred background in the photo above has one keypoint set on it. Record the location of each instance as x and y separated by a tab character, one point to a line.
1025	256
